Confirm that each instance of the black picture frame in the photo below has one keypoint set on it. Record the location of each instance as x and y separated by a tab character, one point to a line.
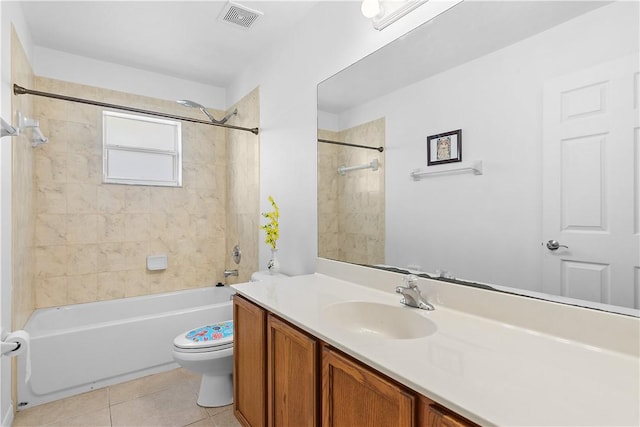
444	148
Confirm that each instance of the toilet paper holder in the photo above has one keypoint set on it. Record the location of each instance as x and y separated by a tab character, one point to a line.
8	347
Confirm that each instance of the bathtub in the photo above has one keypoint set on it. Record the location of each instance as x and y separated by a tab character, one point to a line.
82	347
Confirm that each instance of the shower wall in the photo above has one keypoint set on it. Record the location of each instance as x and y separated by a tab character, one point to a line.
328	195
92	239
77	240
351	216
243	190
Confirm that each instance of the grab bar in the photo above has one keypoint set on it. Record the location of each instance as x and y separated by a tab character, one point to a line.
373	166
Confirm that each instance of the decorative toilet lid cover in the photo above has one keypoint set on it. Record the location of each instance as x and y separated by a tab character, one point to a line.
216	331
213	335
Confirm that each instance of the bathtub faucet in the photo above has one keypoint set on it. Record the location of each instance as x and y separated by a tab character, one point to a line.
228	273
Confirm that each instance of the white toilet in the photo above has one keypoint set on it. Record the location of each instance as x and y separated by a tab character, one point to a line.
209	351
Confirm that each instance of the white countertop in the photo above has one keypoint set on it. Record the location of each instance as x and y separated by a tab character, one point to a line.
491	372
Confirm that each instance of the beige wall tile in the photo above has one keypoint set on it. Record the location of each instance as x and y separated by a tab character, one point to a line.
351	206
111	228
50	166
118	256
84	168
51	229
111	285
82	259
82	288
82	228
51	261
81	198
242	192
111	198
51	291
93	238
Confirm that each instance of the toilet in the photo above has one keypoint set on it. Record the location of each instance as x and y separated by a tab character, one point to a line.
208	350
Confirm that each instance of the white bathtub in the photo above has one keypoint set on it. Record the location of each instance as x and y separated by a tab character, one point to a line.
82	347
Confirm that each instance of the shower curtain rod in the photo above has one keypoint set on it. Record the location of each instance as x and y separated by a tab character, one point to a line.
19	90
327	141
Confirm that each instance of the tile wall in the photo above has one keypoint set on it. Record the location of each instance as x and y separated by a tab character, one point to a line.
351	218
243	188
90	240
328	195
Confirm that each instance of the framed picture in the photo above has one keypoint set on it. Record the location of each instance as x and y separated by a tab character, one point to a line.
444	148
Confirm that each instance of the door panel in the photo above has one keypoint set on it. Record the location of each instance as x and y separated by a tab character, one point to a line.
591	183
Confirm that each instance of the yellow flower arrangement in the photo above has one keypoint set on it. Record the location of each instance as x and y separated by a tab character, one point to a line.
271	228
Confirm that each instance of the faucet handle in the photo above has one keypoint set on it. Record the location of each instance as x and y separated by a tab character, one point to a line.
410	281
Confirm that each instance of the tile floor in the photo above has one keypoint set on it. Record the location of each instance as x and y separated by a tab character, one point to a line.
165	399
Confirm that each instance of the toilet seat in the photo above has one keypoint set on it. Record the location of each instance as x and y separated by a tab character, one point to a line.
213	337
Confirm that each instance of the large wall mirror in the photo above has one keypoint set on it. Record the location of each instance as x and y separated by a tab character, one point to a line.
531	110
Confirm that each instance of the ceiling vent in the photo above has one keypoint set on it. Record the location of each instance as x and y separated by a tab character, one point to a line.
238	15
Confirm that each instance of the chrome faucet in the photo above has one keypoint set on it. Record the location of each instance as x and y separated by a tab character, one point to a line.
411	293
228	273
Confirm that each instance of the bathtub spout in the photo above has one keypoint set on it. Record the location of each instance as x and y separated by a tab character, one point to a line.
228	273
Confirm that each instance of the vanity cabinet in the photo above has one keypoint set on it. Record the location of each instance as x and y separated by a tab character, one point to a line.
249	367
286	377
430	414
275	376
354	395
292	368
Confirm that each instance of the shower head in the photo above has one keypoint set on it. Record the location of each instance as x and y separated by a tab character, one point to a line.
192	104
188	103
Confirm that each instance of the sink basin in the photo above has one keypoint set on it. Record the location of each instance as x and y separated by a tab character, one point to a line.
383	321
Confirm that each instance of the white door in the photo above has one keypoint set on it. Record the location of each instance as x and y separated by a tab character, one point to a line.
591	186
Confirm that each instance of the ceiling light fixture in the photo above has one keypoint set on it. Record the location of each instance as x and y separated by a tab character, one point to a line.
385	13
371	9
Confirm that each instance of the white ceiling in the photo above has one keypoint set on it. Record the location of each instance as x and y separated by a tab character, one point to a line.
183	39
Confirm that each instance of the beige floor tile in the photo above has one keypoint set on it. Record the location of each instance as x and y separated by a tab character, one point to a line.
38	415
87	402
147	385
207	422
226	419
99	418
218	410
173	406
54	411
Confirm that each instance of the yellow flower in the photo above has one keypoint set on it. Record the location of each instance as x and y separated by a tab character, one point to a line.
271	228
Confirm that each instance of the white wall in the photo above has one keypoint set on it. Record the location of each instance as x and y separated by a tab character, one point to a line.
79	69
333	36
486	228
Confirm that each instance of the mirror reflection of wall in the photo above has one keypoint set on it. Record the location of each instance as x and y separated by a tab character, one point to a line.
490	69
351	218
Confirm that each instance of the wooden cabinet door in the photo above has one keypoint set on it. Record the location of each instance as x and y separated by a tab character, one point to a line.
249	363
432	415
292	397
354	395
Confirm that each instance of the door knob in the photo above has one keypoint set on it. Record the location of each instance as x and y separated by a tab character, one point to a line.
554	245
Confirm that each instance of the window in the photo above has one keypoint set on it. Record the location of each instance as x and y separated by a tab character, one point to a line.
140	150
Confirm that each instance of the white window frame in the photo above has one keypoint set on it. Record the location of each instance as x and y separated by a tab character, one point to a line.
108	146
